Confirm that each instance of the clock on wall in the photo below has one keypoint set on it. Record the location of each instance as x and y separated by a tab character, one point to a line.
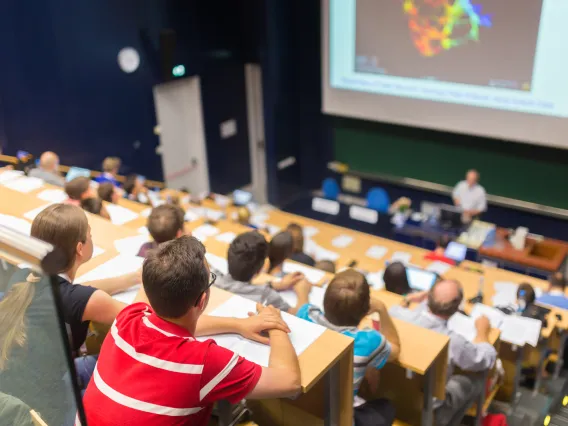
128	59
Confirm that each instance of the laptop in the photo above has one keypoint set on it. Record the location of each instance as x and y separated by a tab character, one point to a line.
420	279
77	172
241	198
456	251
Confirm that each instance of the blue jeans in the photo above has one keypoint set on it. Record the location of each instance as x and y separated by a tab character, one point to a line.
85	366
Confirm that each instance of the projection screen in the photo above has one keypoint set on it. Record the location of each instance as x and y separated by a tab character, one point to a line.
496	68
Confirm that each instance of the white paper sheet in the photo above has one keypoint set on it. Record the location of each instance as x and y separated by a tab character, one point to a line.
24	184
520	330
309	231
226	237
217	263
191	215
320	253
97	251
505	293
8	175
130	245
127	296
315	298
146	212
205	231
31	215
312	275
273	229
53	195
15	223
143	231
462	324
401	256
214	215
117	266
342	241
120	215
438	267
495	316
376	252
303	333
375	279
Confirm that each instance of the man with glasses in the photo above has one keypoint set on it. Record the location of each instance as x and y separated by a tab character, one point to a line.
152	370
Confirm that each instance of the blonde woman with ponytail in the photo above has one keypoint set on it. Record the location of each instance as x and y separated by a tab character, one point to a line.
32	360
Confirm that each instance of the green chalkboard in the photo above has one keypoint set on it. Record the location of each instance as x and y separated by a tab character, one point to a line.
520	171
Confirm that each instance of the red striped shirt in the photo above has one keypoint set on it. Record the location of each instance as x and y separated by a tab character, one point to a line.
153	372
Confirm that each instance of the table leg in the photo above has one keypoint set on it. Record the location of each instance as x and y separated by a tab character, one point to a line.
540	366
332	396
428	406
481	399
517	379
560	360
225	415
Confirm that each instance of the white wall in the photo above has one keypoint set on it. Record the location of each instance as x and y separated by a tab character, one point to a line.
182	136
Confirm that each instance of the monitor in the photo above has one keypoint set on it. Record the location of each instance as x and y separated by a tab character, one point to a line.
241	198
450	217
456	251
420	279
77	172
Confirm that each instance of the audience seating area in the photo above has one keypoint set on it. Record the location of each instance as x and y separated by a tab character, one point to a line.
413	382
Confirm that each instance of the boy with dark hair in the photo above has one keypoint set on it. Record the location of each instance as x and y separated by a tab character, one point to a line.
245	259
346	302
165	223
79	189
108	192
298	254
152	371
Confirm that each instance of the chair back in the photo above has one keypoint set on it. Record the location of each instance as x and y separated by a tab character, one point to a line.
330	189
378	199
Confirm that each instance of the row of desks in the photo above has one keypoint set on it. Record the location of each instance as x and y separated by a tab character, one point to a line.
423	353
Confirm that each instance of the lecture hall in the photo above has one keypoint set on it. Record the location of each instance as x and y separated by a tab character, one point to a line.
283	213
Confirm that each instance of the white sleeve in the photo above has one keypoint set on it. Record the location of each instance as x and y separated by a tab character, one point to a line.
481	203
456	191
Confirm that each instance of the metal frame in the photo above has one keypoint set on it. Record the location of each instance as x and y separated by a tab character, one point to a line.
332	394
428	406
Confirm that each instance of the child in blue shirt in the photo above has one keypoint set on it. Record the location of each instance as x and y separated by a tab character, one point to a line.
346	302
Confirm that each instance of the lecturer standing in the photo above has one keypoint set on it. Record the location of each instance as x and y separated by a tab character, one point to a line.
470	195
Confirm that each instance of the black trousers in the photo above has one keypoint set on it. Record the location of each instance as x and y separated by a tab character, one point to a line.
379	412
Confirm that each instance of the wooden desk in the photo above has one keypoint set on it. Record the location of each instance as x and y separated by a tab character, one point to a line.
546	256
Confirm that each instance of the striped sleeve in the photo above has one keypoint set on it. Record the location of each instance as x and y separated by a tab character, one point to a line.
380	350
226	375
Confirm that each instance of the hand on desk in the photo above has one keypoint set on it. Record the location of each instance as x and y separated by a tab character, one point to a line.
288	281
483	327
268	318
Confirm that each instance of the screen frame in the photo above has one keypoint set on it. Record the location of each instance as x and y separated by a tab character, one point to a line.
492	123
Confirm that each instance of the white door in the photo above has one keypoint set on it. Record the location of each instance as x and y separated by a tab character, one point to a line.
182	136
255	115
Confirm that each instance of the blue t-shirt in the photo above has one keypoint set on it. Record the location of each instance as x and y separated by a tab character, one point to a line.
107	177
371	348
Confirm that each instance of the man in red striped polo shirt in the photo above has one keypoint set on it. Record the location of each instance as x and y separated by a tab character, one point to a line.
151	370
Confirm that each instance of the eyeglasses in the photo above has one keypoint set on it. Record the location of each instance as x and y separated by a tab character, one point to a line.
212	278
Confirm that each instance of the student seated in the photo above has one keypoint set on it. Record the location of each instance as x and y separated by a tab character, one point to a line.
279	249
395	279
437	306
326	265
346	302
111	166
245	260
165	223
298	254
29	332
152	370
135	190
95	205
48	169
557	285
108	192
79	189
440	250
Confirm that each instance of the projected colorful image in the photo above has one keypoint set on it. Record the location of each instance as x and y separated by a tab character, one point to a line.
477	42
433	34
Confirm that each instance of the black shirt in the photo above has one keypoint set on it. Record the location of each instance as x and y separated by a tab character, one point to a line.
303	258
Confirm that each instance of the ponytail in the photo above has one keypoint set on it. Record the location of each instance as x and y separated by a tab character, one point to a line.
13	317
